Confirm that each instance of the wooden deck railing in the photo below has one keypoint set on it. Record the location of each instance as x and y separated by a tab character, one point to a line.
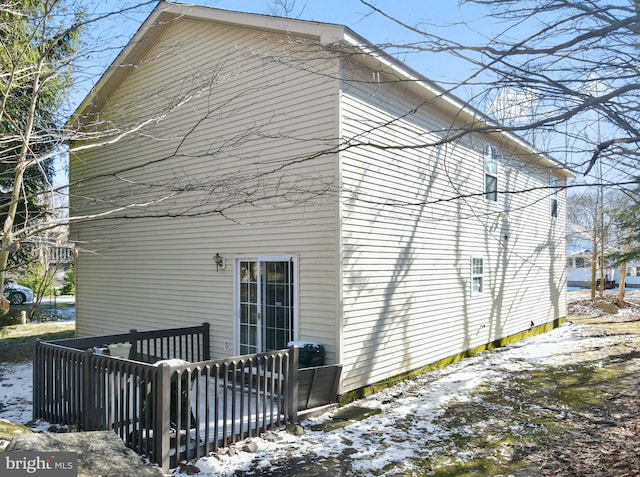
59	255
189	344
169	401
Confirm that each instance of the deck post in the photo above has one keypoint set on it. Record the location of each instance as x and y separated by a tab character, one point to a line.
38	381
161	420
292	383
205	342
87	420
134	340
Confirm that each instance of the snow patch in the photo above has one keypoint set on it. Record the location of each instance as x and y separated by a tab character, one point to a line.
398	434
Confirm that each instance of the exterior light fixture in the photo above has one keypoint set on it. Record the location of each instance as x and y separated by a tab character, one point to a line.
220	262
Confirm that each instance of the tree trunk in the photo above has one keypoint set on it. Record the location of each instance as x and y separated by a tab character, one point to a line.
594	267
623	275
8	240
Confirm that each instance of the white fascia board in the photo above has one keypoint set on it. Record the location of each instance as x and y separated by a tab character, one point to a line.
274	24
162	15
455	105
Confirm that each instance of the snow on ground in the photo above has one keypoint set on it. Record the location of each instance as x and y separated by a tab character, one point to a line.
408	410
16	389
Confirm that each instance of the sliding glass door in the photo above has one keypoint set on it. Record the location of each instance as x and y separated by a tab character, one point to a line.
265	303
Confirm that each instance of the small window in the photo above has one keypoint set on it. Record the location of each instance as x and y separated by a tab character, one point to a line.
477	275
490	173
582	262
554	197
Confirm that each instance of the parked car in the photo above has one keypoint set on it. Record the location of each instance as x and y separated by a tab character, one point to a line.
17	294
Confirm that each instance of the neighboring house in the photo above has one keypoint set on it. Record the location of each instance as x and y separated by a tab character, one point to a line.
579	271
579	268
579	239
632	277
275	181
579	256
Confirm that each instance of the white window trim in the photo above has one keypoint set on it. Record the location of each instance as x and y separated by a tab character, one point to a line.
236	292
553	184
475	275
489	157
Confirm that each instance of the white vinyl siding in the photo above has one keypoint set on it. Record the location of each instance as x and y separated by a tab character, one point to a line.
382	230
253	125
412	217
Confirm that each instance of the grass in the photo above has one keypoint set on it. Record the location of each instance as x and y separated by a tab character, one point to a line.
533	411
509	426
9	430
16	341
611	324
492	433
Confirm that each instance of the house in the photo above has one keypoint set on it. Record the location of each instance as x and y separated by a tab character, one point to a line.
580	245
286	180
632	276
579	256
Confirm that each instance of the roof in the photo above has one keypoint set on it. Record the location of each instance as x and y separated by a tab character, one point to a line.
327	34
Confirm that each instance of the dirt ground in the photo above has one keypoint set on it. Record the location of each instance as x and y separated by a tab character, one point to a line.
578	420
601	441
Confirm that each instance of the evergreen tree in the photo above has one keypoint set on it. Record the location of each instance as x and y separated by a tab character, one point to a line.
38	40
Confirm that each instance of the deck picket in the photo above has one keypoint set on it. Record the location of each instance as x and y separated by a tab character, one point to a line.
159	403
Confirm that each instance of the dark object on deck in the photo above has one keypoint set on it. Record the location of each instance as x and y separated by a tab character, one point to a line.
311	353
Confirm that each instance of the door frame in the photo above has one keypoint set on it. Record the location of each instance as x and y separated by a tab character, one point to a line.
236	291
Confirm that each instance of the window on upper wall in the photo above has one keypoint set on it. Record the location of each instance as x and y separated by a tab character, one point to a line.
490	173
582	262
554	197
477	275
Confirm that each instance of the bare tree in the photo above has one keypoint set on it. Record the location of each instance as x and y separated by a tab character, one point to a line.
625	227
577	64
592	212
286	8
38	53
569	101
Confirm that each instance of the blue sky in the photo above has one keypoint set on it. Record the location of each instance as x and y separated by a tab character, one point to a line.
425	14
442	17
451	19
106	38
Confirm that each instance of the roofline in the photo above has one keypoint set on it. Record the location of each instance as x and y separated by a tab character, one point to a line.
327	34
160	18
457	105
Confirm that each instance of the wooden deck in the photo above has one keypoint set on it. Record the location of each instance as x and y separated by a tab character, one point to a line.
169	400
